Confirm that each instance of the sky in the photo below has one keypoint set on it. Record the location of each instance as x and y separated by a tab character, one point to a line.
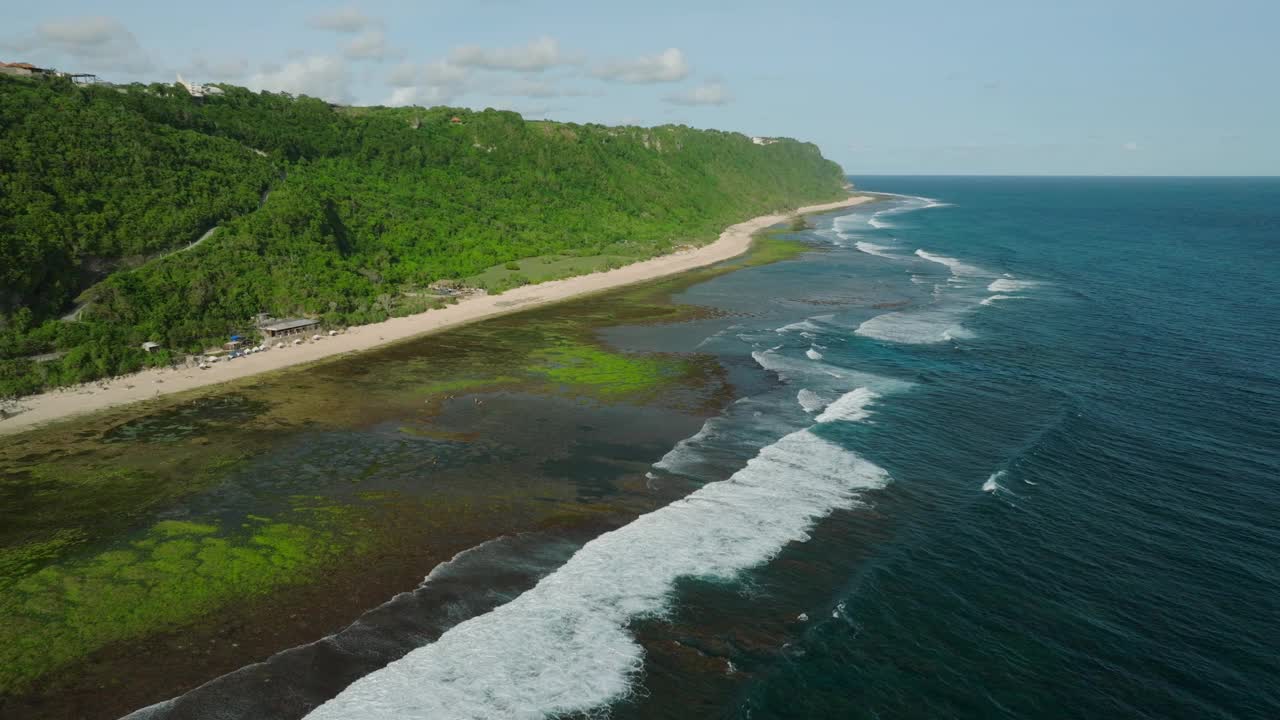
1115	87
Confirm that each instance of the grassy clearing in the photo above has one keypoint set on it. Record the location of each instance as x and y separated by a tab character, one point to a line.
543	268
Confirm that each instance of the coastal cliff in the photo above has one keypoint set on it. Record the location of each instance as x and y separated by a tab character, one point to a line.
341	213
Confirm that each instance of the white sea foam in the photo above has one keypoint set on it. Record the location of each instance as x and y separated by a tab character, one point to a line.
996	298
563	646
1003	285
849	407
846	223
812	354
810	400
877	223
817	373
915	328
807	325
957	267
873	249
786	366
993	483
798	326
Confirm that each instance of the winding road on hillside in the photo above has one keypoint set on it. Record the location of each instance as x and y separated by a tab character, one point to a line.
266	193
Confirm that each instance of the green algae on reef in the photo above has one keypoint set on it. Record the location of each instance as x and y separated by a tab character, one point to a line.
87	559
176	571
610	374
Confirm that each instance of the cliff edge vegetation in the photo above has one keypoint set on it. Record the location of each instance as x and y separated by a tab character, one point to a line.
132	214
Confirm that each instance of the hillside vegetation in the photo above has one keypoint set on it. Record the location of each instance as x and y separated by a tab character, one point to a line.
100	185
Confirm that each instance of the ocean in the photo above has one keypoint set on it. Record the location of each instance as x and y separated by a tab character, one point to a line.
998	448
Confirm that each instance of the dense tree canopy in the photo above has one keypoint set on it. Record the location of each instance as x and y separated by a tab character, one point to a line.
100	185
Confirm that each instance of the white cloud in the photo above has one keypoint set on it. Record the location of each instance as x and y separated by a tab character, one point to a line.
431	83
319	76
1130	146
343	20
667	66
709	94
530	88
369	45
442	72
426	95
537	56
202	69
97	44
405	74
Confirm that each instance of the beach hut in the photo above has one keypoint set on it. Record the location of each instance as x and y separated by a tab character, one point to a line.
282	328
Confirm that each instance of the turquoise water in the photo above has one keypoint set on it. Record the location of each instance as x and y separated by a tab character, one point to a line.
1002	447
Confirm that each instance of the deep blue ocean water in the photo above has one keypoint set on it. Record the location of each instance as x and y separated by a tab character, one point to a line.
1083	518
1002	448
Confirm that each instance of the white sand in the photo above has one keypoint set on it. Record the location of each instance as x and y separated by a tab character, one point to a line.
148	384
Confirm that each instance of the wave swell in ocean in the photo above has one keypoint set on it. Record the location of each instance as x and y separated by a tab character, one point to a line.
564	646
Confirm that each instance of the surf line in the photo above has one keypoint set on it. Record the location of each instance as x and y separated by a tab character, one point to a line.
563	646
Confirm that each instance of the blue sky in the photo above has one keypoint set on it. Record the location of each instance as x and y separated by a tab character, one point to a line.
929	86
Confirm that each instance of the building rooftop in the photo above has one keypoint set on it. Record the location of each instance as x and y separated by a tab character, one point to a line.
292	324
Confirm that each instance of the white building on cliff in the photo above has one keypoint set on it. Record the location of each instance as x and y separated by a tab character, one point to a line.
198	90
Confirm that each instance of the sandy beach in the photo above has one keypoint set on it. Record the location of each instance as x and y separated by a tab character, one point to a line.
149	384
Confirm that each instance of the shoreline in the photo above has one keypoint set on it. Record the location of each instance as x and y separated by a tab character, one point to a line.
65	403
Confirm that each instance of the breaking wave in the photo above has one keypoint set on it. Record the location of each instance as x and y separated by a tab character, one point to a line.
957	267
916	327
1010	285
852	406
873	249
564	645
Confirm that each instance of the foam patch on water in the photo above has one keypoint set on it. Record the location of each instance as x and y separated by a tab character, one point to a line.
799	326
993	483
915	328
996	298
810	400
563	646
823	375
873	249
957	267
1005	285
844	224
808	325
813	354
851	407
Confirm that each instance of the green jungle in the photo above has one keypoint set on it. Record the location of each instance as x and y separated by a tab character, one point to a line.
138	213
